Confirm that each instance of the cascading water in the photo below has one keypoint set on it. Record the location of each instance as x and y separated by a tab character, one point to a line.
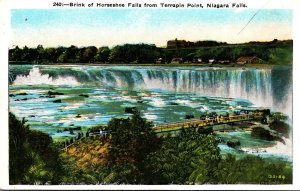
256	85
162	94
35	77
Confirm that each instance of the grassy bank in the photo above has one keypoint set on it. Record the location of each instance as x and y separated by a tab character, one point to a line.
272	53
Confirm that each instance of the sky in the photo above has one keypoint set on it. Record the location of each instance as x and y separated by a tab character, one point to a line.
110	27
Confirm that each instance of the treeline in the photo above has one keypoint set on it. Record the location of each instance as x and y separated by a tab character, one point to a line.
274	52
33	158
134	154
140	53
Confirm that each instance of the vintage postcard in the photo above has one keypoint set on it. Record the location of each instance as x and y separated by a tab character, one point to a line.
186	94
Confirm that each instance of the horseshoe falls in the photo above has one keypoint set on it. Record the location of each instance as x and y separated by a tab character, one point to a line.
161	93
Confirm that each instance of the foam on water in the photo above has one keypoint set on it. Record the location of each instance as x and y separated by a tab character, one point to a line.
187	103
150	116
35	77
279	149
204	108
157	102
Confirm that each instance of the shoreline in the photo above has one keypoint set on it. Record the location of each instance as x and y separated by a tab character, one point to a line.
202	65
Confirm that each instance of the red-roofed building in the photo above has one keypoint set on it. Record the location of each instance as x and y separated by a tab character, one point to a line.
248	60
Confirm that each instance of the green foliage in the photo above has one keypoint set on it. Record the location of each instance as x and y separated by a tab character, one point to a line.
207	43
131	139
274	52
102	54
19	161
32	157
278	116
183	159
134	155
281	55
262	133
87	54
139	53
280	127
253	170
38	173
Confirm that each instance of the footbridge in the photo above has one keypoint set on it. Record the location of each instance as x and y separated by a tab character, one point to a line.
208	121
218	120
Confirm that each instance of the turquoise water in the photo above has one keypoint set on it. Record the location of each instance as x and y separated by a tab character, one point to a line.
162	94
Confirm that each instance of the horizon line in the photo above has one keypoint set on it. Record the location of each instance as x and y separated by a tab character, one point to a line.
163	46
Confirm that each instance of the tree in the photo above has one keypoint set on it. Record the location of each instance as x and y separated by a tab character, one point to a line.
40	53
88	54
15	54
188	158
131	139
32	157
29	54
138	53
252	170
50	54
102	54
62	58
19	162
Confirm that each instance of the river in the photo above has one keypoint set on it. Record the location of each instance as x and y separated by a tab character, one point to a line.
92	95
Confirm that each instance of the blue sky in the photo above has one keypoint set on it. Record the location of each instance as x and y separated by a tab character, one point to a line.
109	27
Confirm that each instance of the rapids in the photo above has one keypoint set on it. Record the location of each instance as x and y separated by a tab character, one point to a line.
162	94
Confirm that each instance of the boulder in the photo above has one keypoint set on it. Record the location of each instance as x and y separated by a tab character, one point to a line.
280	127
83	95
130	109
189	116
262	133
206	130
22	94
76	128
233	143
51	93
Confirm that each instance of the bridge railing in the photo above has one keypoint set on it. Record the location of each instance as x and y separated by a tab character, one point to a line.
209	121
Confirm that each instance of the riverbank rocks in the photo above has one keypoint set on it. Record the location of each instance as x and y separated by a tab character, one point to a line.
84	95
130	109
280	127
262	133
189	116
24	99
51	93
57	101
233	143
20	94
206	130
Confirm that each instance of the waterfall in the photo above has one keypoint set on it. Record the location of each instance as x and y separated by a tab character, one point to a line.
254	84
35	77
263	87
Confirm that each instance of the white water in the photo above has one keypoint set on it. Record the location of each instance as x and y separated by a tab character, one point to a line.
35	77
254	85
279	148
